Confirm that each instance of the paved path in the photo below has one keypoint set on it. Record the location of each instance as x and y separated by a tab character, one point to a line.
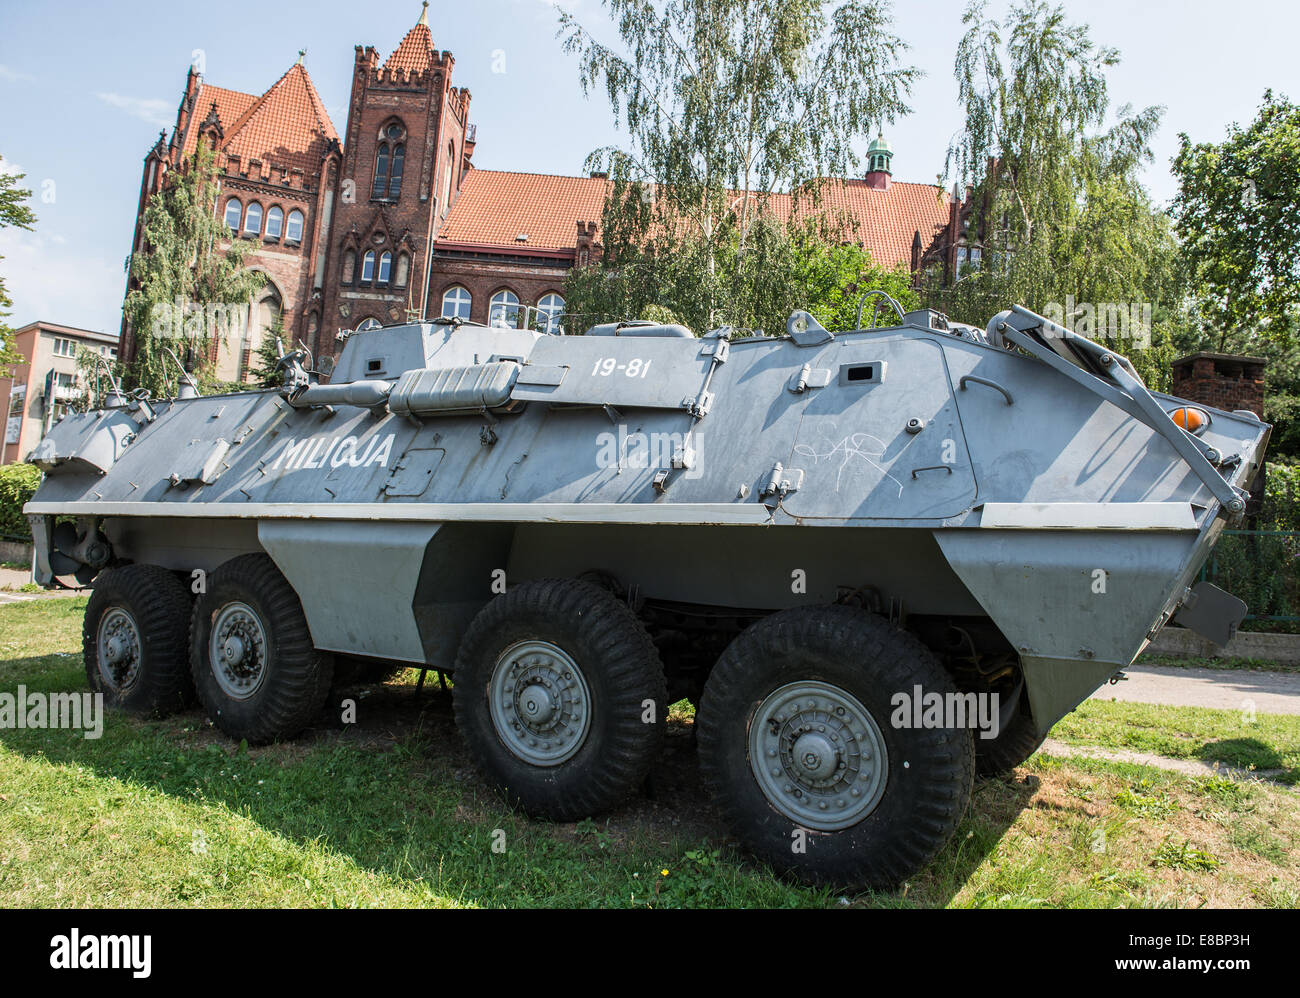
1189	767
14	578
1224	689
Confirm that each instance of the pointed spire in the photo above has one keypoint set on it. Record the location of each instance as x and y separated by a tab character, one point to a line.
424	15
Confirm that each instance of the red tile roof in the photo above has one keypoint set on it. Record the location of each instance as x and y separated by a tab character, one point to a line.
231	105
494	207
415	54
287	125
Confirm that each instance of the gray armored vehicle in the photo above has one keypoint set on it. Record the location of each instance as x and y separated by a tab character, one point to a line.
878	560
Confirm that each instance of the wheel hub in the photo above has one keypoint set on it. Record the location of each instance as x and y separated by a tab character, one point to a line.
119	648
818	755
539	703
238	650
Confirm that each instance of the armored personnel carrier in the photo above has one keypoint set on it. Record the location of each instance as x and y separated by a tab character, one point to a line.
878	560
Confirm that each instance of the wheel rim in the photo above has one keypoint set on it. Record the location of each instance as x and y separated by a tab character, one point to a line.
818	755
118	648
237	650
539	702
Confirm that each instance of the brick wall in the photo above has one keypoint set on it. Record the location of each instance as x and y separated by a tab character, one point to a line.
1222	381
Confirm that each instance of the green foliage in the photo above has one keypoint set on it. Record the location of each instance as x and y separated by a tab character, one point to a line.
17	484
782	269
14	211
729	105
1062	216
268	353
189	285
1238	213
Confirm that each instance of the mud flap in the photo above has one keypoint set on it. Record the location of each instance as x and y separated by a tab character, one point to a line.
1211	613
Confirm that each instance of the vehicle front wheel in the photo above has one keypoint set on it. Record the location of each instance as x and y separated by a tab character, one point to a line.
798	744
255	667
134	638
561	698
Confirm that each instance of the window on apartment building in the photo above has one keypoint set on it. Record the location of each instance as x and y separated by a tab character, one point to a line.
64	348
369	324
504	309
293	230
456	303
253	220
234	212
368	266
274	222
385	267
403	269
549	311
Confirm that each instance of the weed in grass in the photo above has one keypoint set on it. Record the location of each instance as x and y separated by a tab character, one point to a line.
1175	855
1145	801
1233	793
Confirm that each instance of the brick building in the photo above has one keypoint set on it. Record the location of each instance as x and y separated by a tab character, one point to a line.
393	220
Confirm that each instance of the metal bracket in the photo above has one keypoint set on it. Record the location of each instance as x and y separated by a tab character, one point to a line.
781	482
719	350
699	405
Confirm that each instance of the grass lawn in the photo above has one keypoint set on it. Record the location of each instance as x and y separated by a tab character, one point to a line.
389	811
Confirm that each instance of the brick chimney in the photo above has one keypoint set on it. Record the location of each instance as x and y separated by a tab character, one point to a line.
1221	380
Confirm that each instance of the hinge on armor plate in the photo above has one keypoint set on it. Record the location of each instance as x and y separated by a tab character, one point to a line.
781	482
699	405
718	349
808	377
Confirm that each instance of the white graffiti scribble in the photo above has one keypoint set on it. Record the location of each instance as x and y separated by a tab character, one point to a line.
862	446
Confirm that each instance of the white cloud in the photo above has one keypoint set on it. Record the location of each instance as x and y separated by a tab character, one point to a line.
39	269
154	110
11	75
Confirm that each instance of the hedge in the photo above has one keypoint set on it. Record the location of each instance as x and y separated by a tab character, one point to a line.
17	483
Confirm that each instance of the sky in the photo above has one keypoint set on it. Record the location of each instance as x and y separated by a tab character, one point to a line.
86	87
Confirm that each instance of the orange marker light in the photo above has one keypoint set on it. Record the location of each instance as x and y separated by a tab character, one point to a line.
1191	420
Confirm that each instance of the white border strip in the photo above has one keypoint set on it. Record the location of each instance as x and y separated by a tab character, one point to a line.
503	512
1089	516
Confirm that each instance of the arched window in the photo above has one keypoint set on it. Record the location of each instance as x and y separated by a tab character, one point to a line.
274	222
369	324
381	171
253	219
234	212
385	266
368	266
456	303
504	309
395	179
403	269
549	311
293	231
349	265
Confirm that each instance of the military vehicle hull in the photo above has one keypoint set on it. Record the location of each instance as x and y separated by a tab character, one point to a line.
1003	513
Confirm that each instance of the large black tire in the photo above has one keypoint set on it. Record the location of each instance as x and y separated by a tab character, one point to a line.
148	610
853	655
611	754
279	685
1009	749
